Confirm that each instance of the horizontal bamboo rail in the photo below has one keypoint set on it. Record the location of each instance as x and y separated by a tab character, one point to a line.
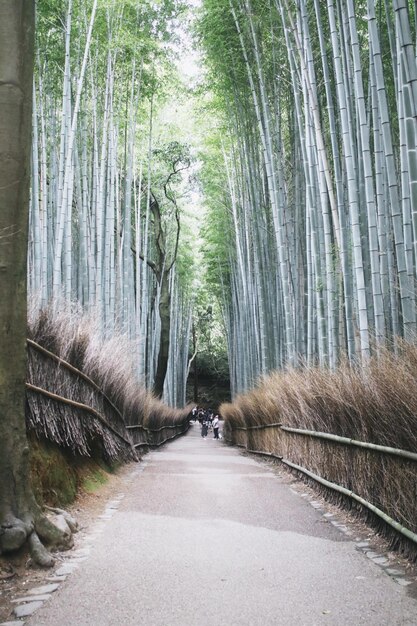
261	427
78	405
268	454
347	492
152	430
156	445
352	442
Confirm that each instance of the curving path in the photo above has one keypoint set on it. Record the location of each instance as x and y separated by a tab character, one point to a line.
209	537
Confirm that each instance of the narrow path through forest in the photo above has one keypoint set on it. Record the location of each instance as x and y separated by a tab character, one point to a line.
209	536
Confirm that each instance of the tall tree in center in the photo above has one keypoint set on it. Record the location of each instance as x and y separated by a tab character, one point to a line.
166	223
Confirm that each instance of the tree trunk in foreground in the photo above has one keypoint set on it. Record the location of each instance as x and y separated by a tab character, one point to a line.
20	516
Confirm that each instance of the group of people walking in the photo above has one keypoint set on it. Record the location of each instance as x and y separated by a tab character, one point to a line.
208	420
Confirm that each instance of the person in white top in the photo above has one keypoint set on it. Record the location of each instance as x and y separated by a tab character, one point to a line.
216	425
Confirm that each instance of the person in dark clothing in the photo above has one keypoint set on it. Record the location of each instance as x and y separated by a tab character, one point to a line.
204	426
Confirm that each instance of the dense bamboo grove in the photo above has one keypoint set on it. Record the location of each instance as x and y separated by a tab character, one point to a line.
104	183
308	174
315	163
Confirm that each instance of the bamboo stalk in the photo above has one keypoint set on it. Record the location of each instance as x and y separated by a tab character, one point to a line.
66	201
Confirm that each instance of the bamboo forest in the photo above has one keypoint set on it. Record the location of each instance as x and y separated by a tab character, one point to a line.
215	203
275	183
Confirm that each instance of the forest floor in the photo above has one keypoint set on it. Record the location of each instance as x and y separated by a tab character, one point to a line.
16	573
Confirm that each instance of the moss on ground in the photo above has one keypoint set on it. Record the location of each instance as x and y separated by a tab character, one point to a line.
54	480
93	479
58	476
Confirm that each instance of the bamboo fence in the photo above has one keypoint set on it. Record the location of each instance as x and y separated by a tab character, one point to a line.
74	411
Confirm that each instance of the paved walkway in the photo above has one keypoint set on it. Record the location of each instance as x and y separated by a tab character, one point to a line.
206	536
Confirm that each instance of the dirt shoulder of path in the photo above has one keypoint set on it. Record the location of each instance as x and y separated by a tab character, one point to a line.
16	574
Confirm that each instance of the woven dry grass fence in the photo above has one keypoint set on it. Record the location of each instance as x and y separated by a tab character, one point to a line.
376	405
82	393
